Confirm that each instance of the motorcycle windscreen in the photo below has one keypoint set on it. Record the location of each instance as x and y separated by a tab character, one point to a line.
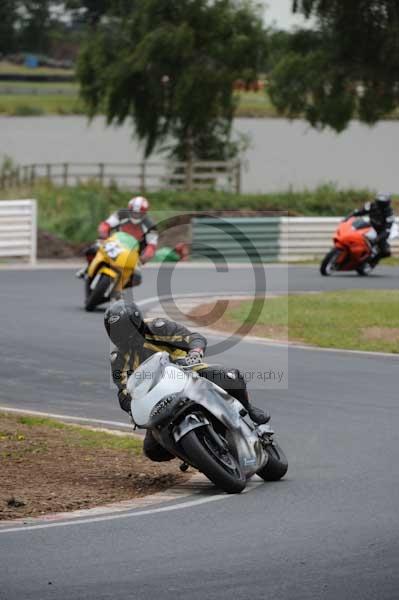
360	224
154	379
128	241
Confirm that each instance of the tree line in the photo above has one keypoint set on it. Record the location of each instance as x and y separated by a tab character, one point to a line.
170	65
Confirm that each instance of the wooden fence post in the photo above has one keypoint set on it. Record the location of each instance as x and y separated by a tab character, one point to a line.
238	177
65	174
32	174
48	171
189	174
142	177
190	160
101	172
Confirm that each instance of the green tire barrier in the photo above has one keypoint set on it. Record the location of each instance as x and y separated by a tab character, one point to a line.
238	239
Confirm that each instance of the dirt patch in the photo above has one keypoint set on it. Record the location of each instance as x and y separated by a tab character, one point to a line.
384	334
213	315
45	469
51	246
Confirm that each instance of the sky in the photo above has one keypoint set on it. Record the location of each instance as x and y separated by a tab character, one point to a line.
280	12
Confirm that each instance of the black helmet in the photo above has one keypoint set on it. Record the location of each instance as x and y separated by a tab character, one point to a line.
124	323
383	200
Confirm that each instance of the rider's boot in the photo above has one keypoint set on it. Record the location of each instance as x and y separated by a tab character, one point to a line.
257	415
155	451
81	274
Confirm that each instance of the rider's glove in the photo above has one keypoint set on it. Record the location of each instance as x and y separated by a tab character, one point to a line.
194	357
125	400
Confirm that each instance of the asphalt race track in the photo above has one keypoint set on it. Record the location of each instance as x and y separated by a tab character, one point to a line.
329	530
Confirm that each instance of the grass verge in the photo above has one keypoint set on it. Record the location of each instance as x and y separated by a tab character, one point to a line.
84	437
11	68
353	320
50	466
25	105
250	104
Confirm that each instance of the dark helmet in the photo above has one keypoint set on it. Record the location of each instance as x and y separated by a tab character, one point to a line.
383	200
124	323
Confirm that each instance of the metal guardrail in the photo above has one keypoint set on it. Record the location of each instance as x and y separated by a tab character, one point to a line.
144	176
18	229
265	239
305	238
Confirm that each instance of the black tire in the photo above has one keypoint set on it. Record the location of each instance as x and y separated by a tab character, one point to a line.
96	296
329	261
277	465
197	445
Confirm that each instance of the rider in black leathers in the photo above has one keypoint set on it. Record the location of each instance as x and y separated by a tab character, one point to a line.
136	340
381	218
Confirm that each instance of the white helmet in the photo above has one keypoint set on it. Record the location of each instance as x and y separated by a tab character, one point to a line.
138	207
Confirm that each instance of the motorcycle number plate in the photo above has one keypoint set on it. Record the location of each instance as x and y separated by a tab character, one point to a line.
113	249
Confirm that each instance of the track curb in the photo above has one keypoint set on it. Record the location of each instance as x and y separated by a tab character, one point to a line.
191	487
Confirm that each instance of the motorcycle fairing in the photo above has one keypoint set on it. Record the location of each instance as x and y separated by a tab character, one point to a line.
352	237
158	378
117	257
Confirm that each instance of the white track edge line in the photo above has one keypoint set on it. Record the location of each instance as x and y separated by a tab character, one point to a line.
129	515
113	517
37	413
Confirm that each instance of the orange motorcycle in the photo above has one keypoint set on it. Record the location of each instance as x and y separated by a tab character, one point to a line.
353	248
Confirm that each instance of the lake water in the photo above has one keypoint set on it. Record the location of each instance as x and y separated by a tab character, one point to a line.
282	154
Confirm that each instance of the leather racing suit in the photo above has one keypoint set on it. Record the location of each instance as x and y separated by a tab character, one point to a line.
164	335
381	219
145	232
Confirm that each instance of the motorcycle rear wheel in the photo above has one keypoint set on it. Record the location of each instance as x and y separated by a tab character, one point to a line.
329	261
220	467
96	296
277	465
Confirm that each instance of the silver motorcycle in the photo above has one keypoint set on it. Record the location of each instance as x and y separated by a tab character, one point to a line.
202	425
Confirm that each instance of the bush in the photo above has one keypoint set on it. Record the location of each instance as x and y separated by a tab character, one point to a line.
26	110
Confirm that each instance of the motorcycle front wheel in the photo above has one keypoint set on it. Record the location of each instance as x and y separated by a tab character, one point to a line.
213	460
328	264
96	296
277	464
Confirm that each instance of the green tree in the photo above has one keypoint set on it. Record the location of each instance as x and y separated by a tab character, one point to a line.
8	17
170	66
347	66
34	25
90	11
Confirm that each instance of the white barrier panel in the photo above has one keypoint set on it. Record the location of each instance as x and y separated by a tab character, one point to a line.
303	238
18	229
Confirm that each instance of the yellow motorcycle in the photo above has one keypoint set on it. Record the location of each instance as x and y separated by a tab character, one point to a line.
111	269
